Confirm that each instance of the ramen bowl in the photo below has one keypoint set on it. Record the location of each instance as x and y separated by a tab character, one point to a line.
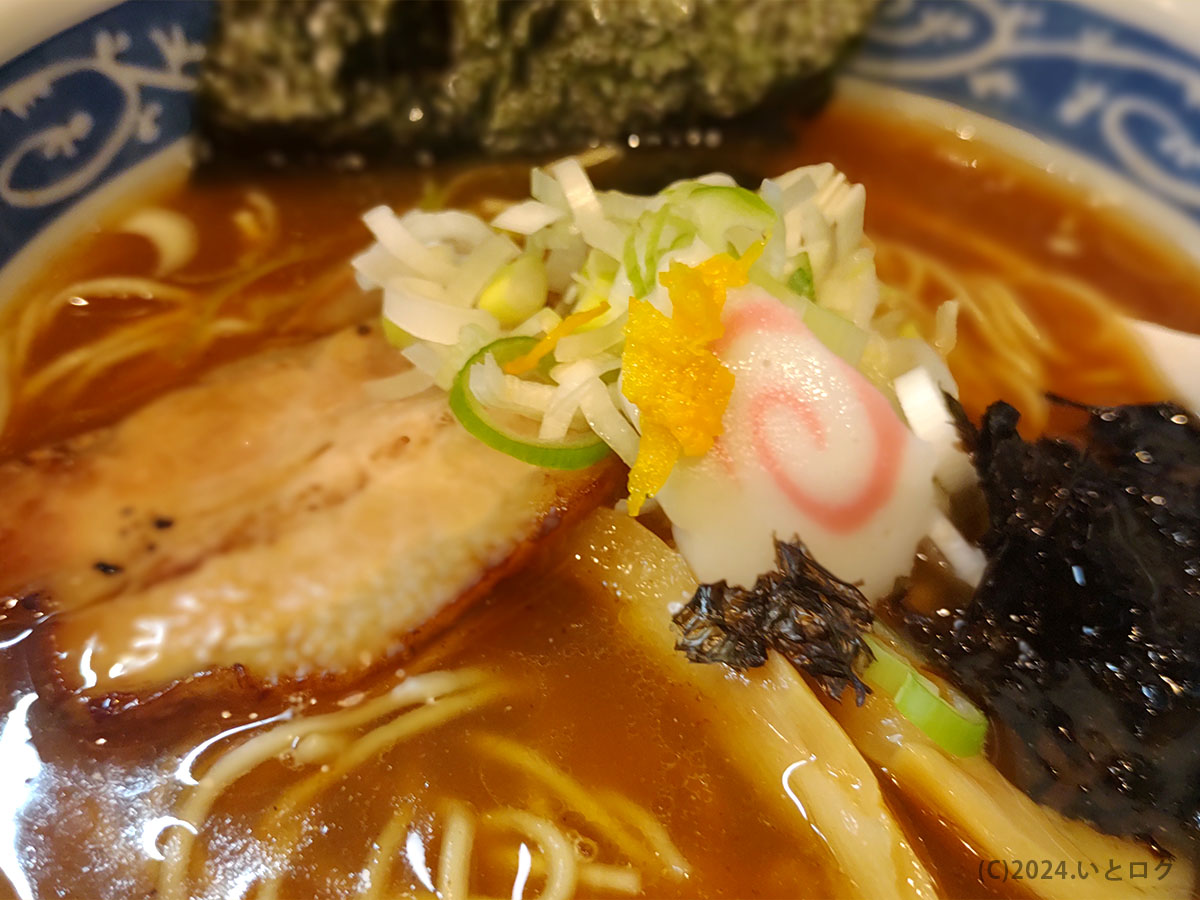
294	602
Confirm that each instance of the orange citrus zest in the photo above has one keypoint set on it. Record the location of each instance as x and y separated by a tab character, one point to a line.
668	370
529	361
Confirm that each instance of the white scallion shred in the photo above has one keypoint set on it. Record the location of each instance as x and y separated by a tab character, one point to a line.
564	405
460	230
967	560
479	267
427	358
563	262
600	364
593	225
921	399
375	267
562	410
608	422
541	322
527	217
429	319
422	259
585	344
494	387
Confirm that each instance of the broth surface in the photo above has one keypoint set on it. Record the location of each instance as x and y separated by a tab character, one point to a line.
82	810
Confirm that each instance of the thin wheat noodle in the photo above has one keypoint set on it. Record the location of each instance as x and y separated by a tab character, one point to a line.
258	220
379	866
380	739
454	857
1001	351
560	858
172	234
241	760
618	879
283	826
132	340
37	315
189	331
569	791
653	831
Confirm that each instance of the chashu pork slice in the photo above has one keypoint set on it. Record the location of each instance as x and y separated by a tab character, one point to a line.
278	519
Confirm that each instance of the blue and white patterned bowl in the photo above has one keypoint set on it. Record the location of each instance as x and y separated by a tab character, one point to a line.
91	89
90	102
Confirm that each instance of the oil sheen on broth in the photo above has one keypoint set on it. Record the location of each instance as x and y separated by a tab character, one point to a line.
86	812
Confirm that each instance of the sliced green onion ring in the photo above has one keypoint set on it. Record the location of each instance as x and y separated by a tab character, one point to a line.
573	452
888	672
955	725
730	215
957	728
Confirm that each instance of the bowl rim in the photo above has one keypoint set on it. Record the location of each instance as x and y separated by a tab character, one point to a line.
41	20
1176	21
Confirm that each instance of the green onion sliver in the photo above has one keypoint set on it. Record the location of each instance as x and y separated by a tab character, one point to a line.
802	279
658	221
888	672
636	281
571	453
958	728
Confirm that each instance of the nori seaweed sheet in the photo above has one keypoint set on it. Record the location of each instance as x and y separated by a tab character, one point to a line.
506	75
1083	639
800	610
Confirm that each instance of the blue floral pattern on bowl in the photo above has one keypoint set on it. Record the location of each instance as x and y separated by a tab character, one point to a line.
1060	70
91	102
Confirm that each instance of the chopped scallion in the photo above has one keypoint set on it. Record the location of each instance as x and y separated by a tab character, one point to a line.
801	280
955	725
632	269
516	291
957	728
511	435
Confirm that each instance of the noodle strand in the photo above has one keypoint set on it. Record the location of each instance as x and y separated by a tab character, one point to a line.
240	761
379	866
